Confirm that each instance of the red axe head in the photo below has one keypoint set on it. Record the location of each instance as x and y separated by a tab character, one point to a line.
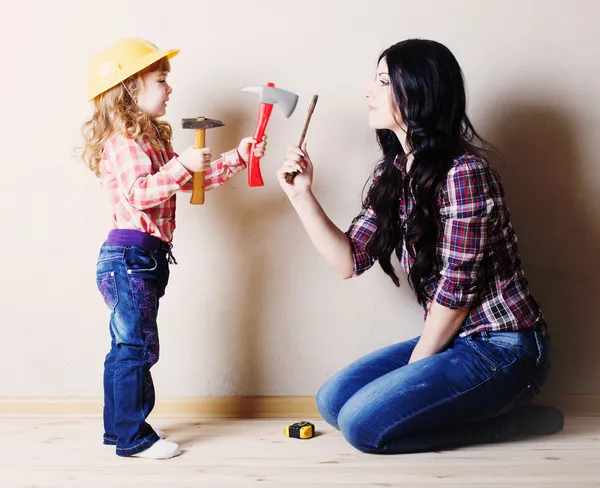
268	96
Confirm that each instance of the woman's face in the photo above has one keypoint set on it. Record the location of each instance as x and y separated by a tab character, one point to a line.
381	106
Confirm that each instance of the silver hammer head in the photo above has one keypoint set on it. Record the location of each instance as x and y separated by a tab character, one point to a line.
269	94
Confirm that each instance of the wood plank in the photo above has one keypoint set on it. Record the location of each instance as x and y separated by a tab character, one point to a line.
67	452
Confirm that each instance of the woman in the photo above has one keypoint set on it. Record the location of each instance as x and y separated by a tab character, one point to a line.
484	352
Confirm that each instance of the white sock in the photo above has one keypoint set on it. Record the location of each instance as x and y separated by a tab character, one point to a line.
160	450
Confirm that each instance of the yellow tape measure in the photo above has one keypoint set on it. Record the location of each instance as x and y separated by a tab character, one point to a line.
300	430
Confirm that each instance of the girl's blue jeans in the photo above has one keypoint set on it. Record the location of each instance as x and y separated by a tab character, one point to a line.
132	280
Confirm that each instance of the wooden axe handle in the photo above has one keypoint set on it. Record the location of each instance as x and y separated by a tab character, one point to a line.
289	177
197	197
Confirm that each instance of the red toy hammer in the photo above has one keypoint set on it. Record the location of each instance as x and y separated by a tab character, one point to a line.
268	96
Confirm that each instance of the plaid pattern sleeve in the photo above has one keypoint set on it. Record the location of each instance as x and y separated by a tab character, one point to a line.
361	231
138	183
222	169
466	205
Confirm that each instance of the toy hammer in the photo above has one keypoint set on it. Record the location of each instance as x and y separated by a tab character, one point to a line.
200	124
268	96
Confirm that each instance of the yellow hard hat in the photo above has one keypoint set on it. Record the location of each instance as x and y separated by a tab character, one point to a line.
119	61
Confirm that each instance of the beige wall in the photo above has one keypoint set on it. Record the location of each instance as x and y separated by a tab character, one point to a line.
251	308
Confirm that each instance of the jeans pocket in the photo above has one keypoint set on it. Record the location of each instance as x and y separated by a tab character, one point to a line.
139	261
516	348
478	348
531	348
107	285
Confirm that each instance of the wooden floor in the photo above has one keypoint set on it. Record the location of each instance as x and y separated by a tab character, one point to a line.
67	452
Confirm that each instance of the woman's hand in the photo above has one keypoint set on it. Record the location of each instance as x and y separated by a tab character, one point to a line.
296	160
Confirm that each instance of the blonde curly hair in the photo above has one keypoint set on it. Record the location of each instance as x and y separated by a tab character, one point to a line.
115	111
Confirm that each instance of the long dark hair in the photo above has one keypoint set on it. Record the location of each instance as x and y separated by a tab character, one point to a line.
428	88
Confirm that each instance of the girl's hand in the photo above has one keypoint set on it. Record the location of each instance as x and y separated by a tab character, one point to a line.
245	145
196	160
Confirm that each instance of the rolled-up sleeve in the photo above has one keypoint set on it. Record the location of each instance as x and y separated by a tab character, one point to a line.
362	229
360	233
465	210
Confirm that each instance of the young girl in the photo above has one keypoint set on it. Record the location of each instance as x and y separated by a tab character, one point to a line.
130	150
439	207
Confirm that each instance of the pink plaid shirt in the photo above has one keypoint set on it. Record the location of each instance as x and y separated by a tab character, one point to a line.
142	182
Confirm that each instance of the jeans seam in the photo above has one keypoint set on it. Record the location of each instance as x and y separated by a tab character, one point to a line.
534	371
112	255
147	442
113	281
501	409
471	343
106	260
139	326
510	345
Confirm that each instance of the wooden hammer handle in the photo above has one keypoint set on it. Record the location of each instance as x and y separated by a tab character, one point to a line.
197	197
289	177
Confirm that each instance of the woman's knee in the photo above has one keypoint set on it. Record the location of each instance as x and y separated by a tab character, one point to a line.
356	423
329	401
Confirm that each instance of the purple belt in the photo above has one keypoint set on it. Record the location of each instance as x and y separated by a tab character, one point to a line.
132	237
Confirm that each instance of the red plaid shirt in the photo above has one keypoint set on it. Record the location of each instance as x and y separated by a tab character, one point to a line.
475	234
142	182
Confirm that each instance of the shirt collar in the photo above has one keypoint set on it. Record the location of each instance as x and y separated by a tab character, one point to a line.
398	163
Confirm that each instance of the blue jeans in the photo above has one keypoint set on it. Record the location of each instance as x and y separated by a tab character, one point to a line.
467	394
131	280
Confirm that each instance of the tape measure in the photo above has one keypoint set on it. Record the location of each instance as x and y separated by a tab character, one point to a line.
300	430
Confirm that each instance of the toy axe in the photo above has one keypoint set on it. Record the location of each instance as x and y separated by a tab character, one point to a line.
268	96
200	124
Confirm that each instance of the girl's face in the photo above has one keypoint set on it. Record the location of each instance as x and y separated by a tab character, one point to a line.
154	93
381	105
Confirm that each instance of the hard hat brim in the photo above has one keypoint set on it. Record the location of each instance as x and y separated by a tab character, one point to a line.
134	68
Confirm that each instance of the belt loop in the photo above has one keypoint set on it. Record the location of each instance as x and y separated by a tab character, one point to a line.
171	258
